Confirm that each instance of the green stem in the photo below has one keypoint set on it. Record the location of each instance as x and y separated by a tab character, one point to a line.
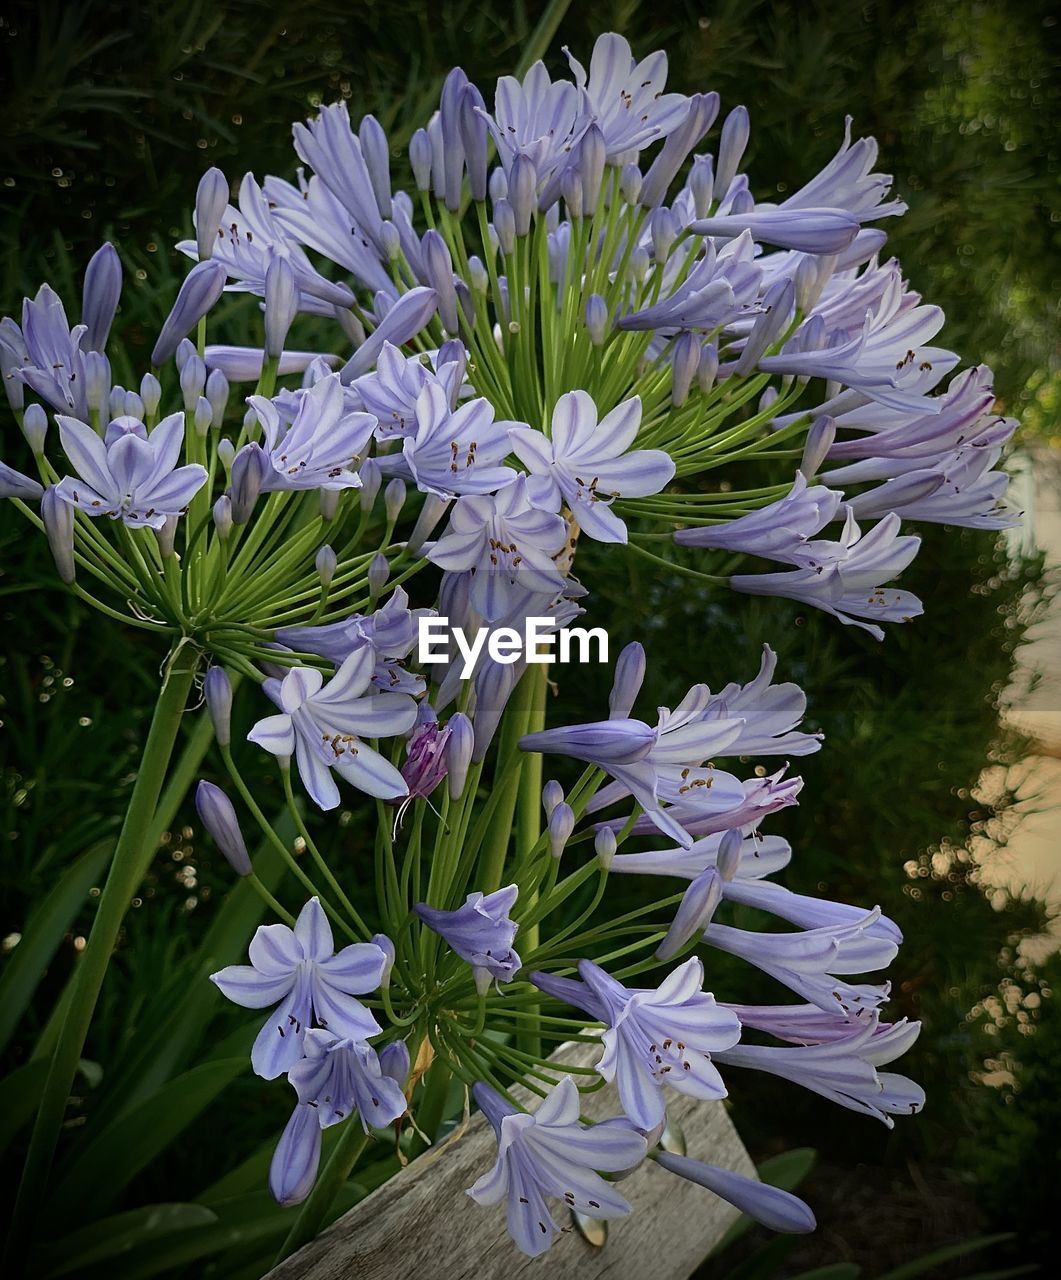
131	857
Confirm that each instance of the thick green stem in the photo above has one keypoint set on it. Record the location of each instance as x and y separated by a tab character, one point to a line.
131	857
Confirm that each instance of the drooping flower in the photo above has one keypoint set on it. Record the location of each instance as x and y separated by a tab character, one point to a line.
322	726
653	1038
341	1076
131	474
589	463
549	1153
481	932
296	971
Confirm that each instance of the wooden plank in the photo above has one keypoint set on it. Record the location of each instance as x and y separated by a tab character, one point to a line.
421	1223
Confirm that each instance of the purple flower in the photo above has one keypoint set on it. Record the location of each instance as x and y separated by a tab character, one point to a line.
202	287
322	444
589	464
13	484
455	451
779	1210
653	1037
701	110
805	229
322	726
842	1067
771	713
480	932
849	579
244	364
46	354
340	1076
219	818
507	543
550	1153
425	761
626	96
391	390
722	286
847	183
402	322
130	475
777	531
296	971
540	119
99	301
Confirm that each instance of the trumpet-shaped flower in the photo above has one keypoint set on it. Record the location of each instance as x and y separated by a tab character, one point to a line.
549	1153
455	451
131	474
480	932
298	973
322	726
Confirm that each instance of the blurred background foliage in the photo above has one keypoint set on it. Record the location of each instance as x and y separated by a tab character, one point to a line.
108	114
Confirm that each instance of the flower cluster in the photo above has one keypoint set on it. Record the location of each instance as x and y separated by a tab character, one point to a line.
577	324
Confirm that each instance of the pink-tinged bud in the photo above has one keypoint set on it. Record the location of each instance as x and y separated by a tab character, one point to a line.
629	676
727	860
326	563
201	289
150	394
35	428
459	746
379	571
219	818
420	159
694	913
685	363
281	305
702	184
217	694
58	517
387	947
630	182
604	846
211	200
222	512
166	537
552	795
329	503
505	226
394	499
371	479
731	147
561	825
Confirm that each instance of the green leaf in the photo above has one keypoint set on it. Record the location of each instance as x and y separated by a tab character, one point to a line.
118	1235
835	1271
43	934
20	1091
929	1260
98	1174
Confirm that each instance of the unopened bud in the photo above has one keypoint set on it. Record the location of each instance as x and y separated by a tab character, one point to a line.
629	676
702	185
329	503
694	913
167	537
664	232
326	564
459	746
249	468
604	846
226	451
371	479
35	428
193	382
97	380
421	159
58	517
728	858
734	139
217	694
217	394
708	370
561	825
219	818
222	512
394	499
203	416
390	240
211	200
379	571
478	276
150	394
505	226
684	365
387	947
552	795
185	349
630	182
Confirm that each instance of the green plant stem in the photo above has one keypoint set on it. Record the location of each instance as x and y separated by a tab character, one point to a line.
127	869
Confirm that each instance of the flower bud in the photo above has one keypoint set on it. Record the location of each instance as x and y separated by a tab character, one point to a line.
708	370
571	190
639	264
116	402
387	947
371	479
630	182
394	1060
201	289
478	277
459	747
219	818
217	394
390	241
394	499
379	571
727	860
222	512
35	428
702	184
134	406
102	289
505	225
420	159
604	846
431	513
522	185
326	564
217	694
438	272
768	399
453	88
596	318
211	201
97	380
498	185
777	305
329	503
816	448
376	151
226	451
592	156
664	232
281	305
685	362
185	349
167	537
700	116
552	795
694	913
249	468
812	275
474	136
561	825
629	676
150	394
203	416
58	517
193	382
735	134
